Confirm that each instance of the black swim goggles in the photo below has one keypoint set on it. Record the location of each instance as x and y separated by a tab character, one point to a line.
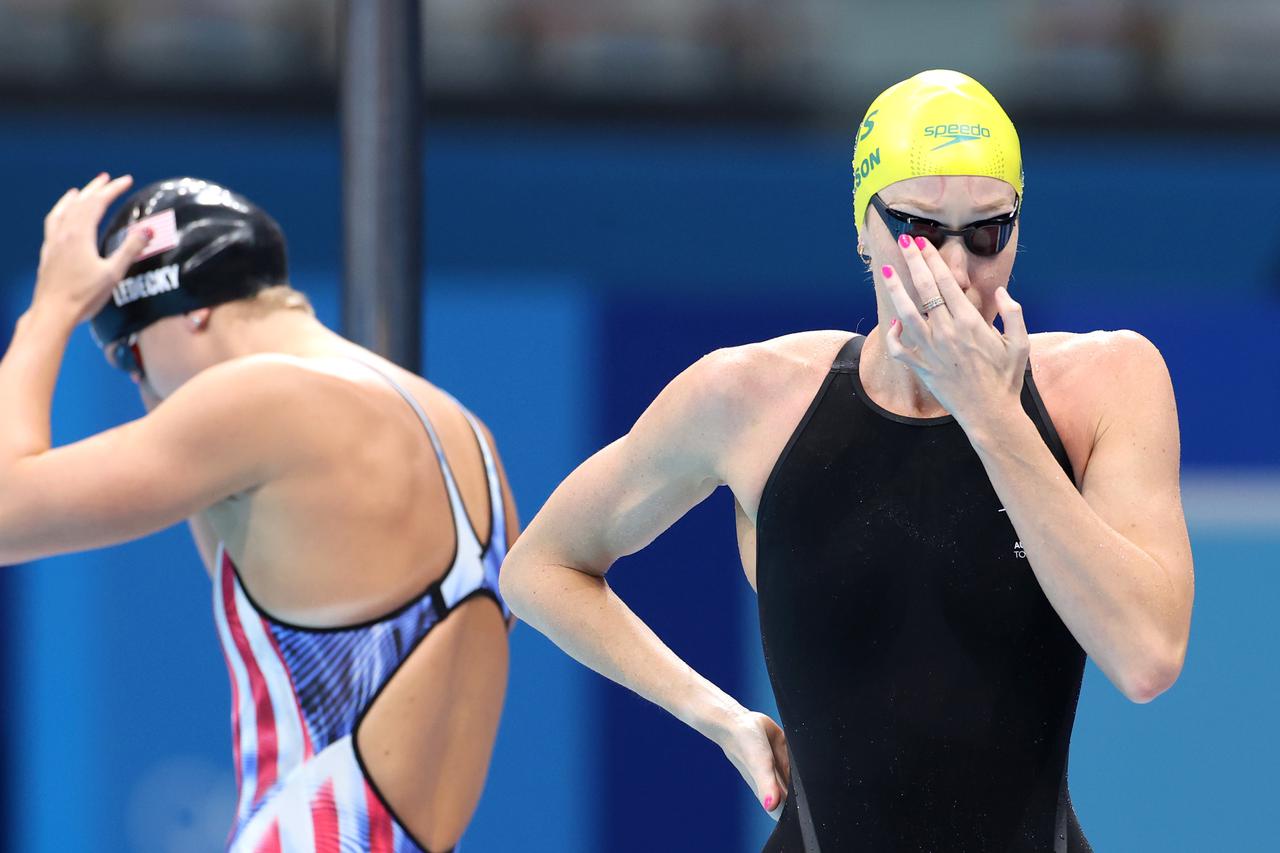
983	238
125	355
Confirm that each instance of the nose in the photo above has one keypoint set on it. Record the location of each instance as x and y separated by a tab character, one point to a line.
956	257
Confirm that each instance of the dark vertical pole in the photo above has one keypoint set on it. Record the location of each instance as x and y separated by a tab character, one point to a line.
381	108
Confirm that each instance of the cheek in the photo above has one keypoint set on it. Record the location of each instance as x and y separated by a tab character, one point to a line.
157	356
996	271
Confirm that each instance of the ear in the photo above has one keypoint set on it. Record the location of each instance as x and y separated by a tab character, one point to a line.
199	319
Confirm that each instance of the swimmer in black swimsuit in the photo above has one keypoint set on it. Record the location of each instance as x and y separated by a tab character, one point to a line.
927	686
942	519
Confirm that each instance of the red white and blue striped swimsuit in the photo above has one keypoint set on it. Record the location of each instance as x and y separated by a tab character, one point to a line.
298	694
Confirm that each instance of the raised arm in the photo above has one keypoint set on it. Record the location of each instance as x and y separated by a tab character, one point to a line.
199	447
614	504
1112	558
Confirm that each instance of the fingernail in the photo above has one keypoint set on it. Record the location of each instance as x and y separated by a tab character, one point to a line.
893	322
768	803
149	233
886	271
920	243
904	241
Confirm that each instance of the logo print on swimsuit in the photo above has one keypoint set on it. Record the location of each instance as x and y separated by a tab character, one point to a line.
1017	550
146	284
954	133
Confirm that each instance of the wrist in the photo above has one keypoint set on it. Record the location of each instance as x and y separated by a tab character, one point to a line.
716	716
49	315
994	427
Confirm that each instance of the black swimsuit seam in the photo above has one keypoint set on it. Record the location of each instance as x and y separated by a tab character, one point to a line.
337	629
446	474
373	700
860	393
373	786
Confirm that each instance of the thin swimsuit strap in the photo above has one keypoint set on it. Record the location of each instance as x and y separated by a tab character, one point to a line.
455	496
452	587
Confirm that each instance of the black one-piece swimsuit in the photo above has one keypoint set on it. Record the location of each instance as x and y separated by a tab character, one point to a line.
926	686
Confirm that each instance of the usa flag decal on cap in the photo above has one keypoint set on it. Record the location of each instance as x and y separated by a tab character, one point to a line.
164	233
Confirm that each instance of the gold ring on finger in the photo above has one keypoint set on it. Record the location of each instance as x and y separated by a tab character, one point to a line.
931	304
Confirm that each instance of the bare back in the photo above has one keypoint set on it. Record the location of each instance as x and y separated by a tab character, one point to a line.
359	524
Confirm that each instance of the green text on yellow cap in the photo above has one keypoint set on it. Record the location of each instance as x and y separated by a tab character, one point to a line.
935	123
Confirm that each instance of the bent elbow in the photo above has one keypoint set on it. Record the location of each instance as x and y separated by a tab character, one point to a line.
1152	679
517	581
510	587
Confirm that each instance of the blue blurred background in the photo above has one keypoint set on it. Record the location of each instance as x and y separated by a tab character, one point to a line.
612	192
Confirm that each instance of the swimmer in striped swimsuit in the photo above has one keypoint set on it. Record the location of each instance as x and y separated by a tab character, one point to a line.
352	516
299	694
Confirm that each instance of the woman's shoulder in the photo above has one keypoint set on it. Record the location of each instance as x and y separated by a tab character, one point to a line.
1096	354
758	369
800	349
1086	378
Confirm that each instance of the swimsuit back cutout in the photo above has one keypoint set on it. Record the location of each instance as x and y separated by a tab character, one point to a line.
926	685
299	694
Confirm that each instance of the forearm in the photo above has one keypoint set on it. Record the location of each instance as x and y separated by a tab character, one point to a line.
580	613
28	374
1118	601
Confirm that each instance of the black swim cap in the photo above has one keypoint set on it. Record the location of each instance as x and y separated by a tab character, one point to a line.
210	246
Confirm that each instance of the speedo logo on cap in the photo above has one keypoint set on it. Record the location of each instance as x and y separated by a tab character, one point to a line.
954	133
145	284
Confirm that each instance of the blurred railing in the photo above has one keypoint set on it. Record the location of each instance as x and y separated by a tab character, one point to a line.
1154	60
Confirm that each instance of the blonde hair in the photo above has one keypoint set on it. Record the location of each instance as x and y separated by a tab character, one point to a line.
279	297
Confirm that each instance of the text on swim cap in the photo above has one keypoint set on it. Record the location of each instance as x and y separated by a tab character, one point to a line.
861	170
145	284
867	125
954	133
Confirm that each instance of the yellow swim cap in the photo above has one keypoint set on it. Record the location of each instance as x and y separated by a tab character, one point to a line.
935	123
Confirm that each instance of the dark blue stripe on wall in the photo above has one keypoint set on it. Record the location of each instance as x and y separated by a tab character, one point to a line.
1223	372
667	788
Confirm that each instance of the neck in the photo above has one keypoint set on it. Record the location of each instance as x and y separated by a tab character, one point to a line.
285	331
892	384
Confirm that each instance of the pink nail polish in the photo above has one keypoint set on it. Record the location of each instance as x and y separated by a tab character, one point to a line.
920	243
149	233
893	322
886	271
768	803
904	241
